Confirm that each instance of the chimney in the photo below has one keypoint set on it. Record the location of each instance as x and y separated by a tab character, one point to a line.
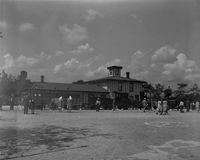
42	79
127	74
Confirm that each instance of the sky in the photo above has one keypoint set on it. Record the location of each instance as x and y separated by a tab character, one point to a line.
155	40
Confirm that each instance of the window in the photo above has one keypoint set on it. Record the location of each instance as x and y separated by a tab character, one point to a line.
131	87
119	86
111	73
117	72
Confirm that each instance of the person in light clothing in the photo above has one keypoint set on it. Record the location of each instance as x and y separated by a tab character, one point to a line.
159	108
197	106
69	104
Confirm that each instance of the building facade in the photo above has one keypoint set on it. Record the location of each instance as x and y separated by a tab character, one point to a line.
80	93
120	87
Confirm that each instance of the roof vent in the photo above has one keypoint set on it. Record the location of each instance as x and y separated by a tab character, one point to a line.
127	74
42	79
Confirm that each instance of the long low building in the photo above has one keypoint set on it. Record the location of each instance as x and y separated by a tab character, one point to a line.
80	93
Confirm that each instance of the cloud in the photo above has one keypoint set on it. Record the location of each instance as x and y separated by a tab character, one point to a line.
133	15
82	49
99	57
59	53
137	62
73	70
102	71
3	24
181	70
92	14
14	65
164	54
74	35
26	27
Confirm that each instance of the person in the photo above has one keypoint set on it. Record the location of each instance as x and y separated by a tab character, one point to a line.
164	111
52	104
69	104
144	103
98	103
12	101
42	104
114	104
187	106
197	106
32	105
1	102
26	104
60	103
159	108
181	105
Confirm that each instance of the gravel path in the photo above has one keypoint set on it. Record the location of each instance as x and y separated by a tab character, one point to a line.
104	135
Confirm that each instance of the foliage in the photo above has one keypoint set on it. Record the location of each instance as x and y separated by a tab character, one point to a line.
79	82
7	84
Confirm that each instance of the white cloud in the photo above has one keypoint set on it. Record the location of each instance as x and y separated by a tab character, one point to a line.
99	57
3	24
92	14
181	70
26	27
164	54
133	15
28	61
137	62
102	71
59	53
82	49
73	70
74	35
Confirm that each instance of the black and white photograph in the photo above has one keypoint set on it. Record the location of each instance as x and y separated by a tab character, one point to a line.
99	79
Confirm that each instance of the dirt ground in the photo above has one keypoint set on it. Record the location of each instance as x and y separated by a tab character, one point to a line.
104	135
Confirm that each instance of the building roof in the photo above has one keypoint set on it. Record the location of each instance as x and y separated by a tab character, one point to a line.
114	67
70	87
116	78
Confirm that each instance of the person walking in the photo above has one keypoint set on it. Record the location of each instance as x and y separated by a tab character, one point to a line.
159	108
164	111
12	101
181	105
26	104
32	105
69	104
187	104
144	103
98	103
197	106
114	104
60	104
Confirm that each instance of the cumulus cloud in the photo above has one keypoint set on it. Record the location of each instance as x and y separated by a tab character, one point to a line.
59	53
3	24
92	14
82	49
99	57
74	35
73	70
137	62
181	70
164	54
102	71
26	27
133	15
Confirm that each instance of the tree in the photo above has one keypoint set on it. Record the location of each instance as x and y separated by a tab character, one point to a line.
79	82
168	92
194	92
158	91
7	84
181	91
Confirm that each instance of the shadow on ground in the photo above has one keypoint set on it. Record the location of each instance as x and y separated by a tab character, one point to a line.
16	142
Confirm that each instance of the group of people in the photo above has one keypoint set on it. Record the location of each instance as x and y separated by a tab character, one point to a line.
188	106
60	104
